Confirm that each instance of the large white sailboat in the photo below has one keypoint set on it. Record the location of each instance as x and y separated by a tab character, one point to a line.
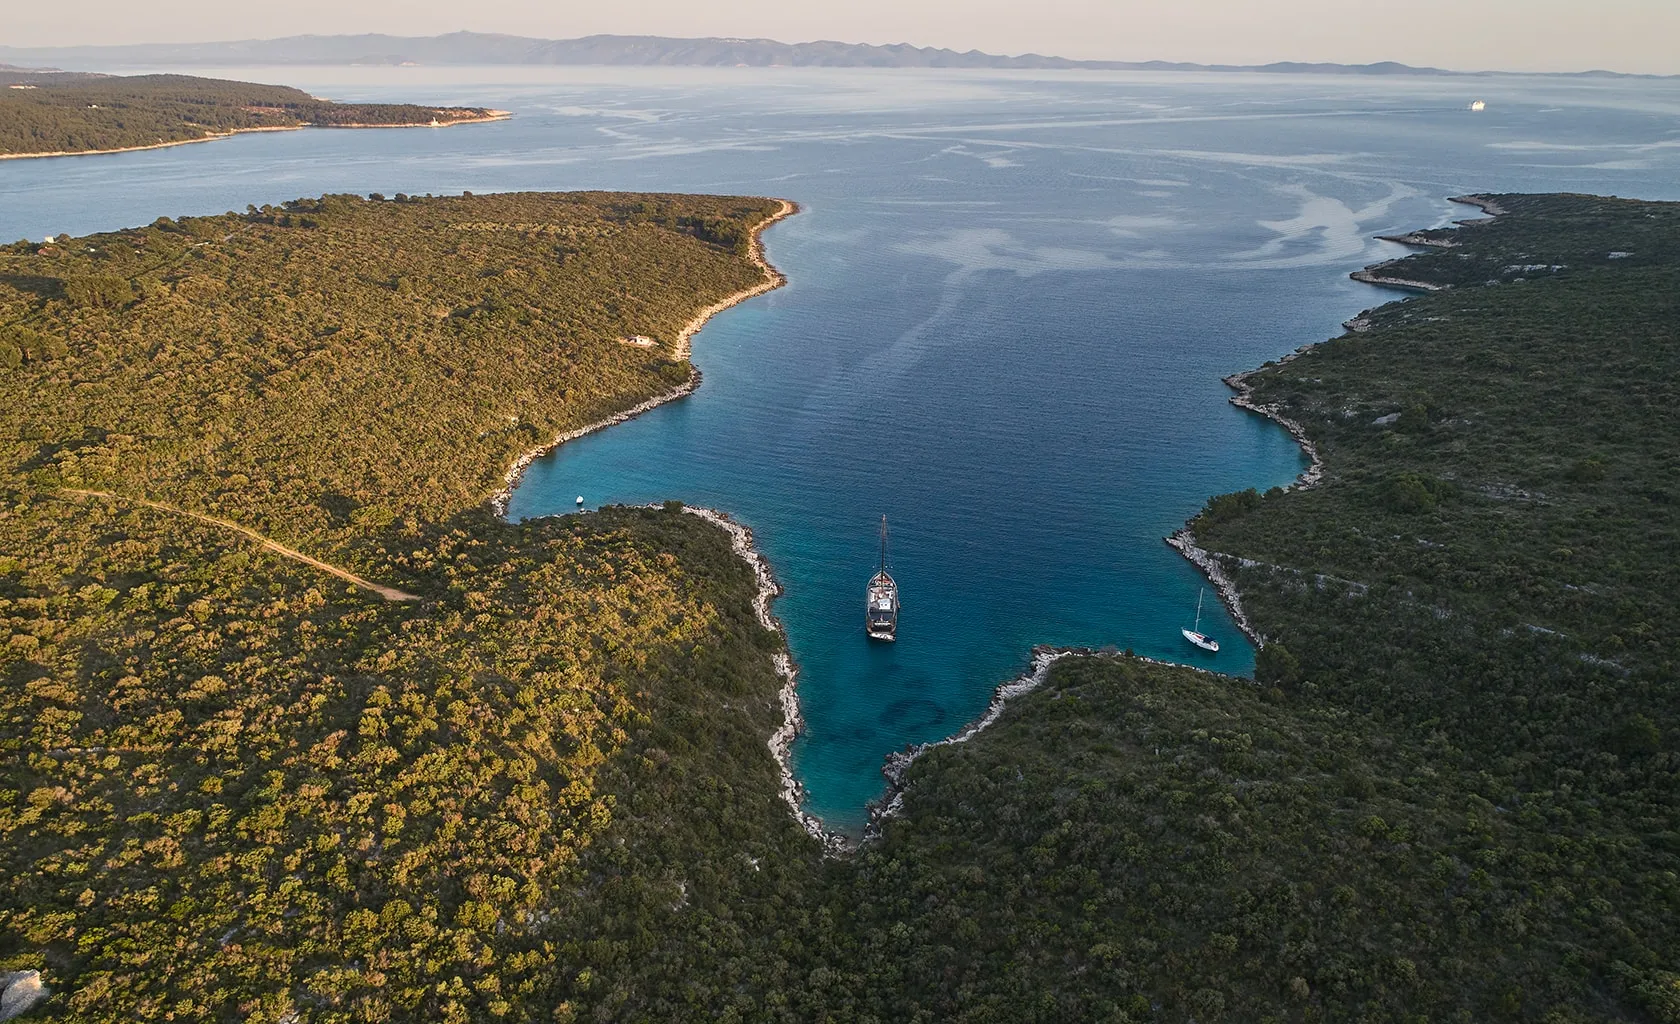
881	613
1194	634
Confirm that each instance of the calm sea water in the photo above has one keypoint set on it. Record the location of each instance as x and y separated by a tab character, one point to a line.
1012	297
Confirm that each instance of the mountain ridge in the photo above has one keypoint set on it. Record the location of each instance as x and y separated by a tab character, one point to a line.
642	50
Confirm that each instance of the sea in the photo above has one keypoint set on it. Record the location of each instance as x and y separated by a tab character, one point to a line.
1011	298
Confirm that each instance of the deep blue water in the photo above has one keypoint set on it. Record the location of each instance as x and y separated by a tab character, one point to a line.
1011	300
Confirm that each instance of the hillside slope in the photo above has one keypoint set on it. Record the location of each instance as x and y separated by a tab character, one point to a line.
237	786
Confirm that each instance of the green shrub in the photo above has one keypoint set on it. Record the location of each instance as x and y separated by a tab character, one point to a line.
32	345
1412	492
1276	666
102	291
1587	470
1223	508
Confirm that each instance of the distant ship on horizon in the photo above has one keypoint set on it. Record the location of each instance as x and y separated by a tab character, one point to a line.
881	609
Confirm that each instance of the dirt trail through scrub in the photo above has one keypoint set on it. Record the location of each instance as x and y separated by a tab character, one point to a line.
388	593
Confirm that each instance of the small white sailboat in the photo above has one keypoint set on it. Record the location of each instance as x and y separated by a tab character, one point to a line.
1478	106
1195	634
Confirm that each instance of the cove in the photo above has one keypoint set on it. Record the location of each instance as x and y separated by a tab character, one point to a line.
1031	439
1010	302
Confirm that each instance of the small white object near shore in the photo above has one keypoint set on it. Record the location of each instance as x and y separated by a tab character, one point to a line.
580	499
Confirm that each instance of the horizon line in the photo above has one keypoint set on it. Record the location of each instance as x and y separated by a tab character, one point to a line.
1070	63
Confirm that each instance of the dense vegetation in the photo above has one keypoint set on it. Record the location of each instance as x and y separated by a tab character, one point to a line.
238	788
43	112
1454	794
245	791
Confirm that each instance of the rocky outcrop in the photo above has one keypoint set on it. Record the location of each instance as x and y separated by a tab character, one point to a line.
1374	275
1482	203
1184	542
21	991
1420	240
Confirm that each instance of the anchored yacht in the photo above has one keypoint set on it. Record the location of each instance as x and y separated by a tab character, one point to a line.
881	611
1195	635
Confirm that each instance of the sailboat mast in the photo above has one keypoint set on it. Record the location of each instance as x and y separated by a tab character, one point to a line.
1199	595
883	543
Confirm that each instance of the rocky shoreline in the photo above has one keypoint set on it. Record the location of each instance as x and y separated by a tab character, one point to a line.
773	279
781	741
1427	238
1372	275
1184	542
499	500
898	763
1244	399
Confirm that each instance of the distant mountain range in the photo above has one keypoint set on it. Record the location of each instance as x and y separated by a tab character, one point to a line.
484	48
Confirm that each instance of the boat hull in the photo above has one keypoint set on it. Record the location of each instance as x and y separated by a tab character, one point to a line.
1206	643
880	619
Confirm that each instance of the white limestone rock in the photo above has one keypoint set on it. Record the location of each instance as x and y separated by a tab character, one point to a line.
22	991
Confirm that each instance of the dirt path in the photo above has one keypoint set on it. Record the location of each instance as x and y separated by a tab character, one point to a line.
388	593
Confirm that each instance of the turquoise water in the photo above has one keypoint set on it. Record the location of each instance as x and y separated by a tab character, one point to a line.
1011	301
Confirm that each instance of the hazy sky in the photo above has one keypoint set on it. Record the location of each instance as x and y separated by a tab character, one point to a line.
1551	35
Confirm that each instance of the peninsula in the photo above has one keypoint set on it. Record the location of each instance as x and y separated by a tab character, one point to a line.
45	114
493	771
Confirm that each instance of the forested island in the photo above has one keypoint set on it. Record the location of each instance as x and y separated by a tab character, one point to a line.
238	787
66	113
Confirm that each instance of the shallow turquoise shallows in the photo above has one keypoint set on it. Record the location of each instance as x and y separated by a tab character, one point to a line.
1011	300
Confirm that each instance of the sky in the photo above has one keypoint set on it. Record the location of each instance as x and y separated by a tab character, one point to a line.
1506	35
